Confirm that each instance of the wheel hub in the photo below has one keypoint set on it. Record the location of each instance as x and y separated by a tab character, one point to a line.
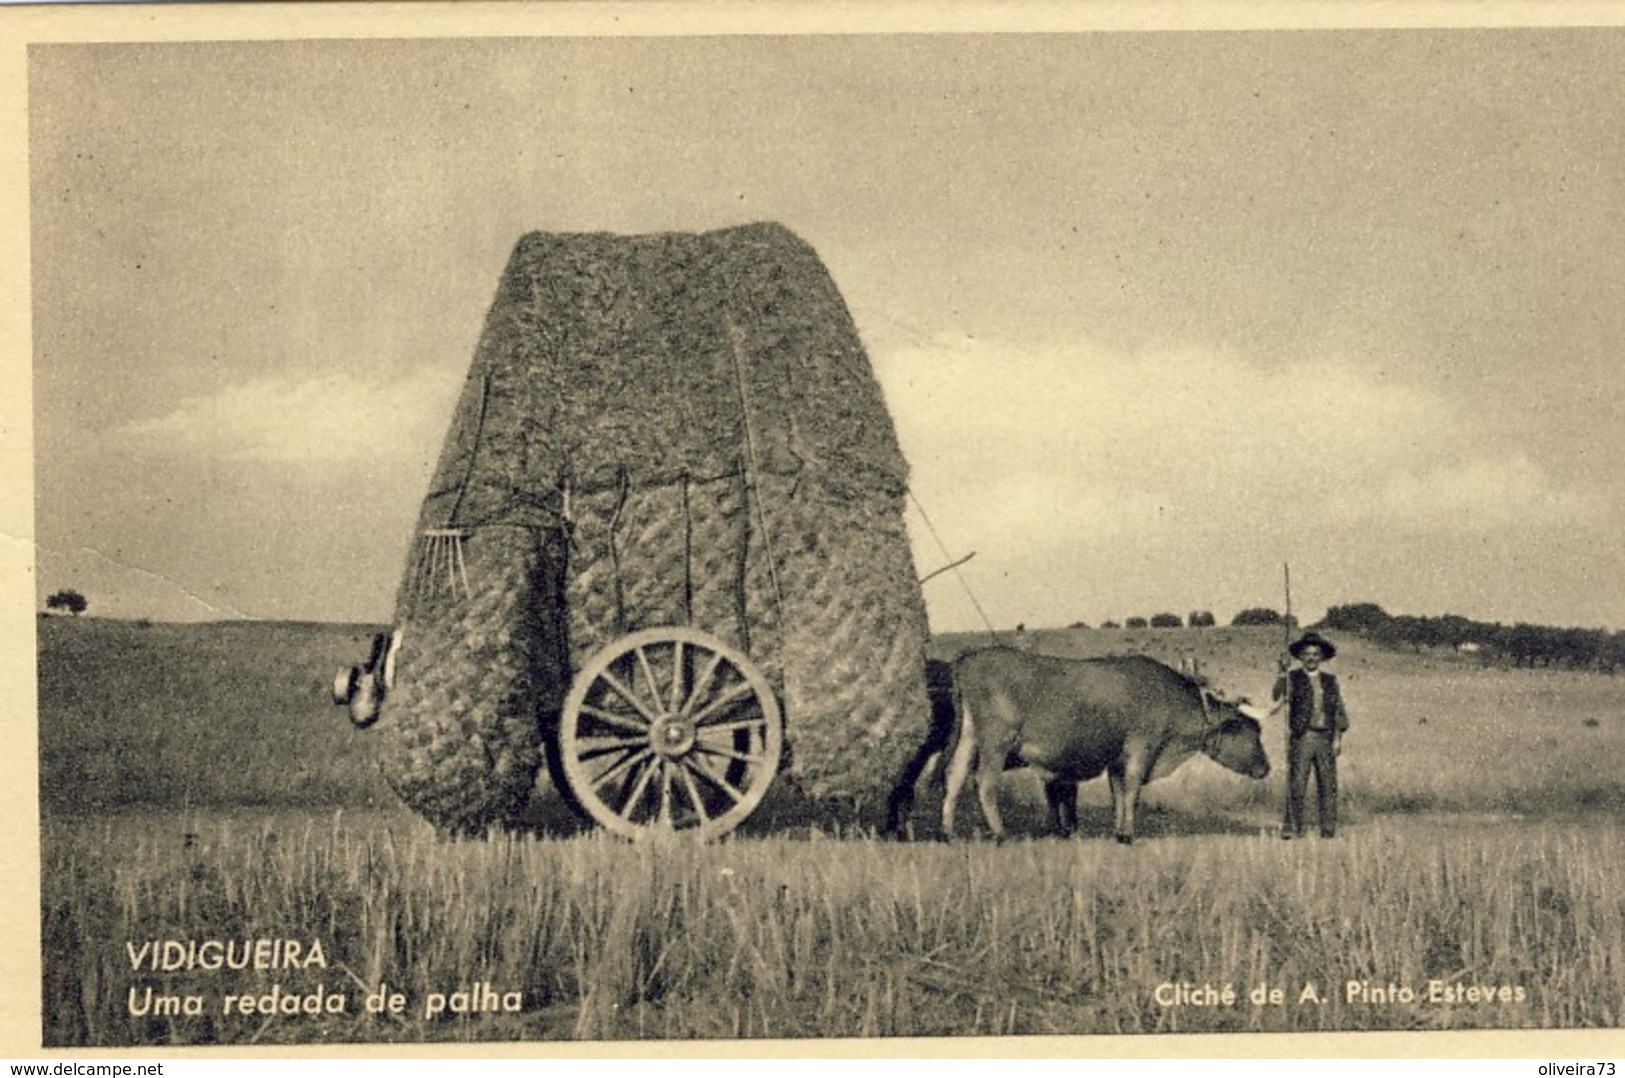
671	735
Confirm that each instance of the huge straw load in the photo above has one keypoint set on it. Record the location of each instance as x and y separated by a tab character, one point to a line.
657	430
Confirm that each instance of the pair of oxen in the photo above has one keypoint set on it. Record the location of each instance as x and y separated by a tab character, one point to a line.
1131	717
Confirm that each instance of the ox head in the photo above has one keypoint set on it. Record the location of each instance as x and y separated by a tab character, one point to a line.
363	688
1234	738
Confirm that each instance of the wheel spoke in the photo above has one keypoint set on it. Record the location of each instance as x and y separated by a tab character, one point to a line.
742	757
693	792
665	793
702	683
738	692
614	770
676	674
598	746
720	783
738	724
648	676
625	722
628	695
637	790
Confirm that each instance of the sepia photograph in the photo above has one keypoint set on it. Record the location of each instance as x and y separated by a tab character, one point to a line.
546	525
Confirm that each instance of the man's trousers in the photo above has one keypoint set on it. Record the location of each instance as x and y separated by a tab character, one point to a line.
1312	749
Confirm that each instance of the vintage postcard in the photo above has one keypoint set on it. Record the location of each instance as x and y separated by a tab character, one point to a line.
767	530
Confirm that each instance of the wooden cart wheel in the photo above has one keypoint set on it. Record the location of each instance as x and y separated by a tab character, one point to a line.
670	729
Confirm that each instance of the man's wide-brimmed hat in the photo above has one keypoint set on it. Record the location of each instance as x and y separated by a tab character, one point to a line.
1327	650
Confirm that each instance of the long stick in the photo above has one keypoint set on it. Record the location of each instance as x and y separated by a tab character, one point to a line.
971	595
945	568
1286	623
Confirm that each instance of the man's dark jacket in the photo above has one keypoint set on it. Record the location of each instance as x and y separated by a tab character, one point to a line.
1301	702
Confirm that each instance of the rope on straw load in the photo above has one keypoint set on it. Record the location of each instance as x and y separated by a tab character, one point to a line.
736	337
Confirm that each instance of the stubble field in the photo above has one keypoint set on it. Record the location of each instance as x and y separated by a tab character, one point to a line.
196	789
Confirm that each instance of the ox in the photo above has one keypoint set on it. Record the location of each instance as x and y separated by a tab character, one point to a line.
1131	717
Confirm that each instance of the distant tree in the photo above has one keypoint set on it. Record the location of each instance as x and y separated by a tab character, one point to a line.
1453	630
1134	623
1613	654
1109	624
1580	649
1521	644
1397	631
67	599
1257	615
1525	644
1200	619
1166	621
1079	625
1357	618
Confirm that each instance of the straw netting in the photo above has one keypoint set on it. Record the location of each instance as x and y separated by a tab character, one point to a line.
854	666
685	430
461	742
667	555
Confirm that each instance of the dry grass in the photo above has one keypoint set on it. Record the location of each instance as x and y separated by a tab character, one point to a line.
798	938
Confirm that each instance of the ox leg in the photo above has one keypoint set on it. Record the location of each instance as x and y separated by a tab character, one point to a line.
1125	780
959	769
1062	797
987	792
899	807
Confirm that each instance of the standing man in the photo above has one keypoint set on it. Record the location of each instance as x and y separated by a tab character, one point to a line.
1316	721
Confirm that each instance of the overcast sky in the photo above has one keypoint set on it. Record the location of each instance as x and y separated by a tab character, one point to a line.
1154	313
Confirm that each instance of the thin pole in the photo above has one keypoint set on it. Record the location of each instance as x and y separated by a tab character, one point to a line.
1286	629
945	568
971	595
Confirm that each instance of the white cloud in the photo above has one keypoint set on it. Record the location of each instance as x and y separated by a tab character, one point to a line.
1475	495
1092	484
1079	440
324	419
1118	416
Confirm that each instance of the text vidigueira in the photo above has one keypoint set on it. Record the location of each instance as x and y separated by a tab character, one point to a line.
168	956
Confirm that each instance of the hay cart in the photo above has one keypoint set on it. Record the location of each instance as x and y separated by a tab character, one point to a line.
667	515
